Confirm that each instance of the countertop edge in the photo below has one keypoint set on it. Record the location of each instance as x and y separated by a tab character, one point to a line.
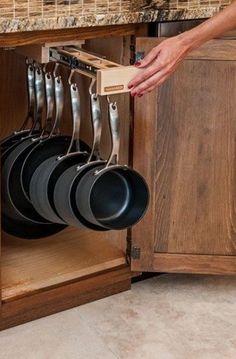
68	22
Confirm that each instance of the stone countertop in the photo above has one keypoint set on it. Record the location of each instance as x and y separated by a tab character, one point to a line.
145	16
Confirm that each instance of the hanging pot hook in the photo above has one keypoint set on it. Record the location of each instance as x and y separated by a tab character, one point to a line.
109	101
55	69
71	75
44	68
92	83
29	61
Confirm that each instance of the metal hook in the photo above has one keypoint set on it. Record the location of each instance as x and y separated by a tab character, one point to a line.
71	75
36	65
55	69
114	103
29	61
45	69
91	85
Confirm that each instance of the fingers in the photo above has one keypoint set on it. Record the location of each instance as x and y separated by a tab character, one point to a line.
149	71
148	59
149	84
154	86
146	73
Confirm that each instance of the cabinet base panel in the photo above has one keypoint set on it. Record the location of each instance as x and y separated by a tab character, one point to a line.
28	267
187	263
202	264
66	296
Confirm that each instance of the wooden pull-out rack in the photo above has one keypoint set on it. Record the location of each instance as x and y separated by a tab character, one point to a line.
111	78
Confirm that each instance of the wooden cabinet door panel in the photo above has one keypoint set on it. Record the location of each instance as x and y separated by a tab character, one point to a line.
187	132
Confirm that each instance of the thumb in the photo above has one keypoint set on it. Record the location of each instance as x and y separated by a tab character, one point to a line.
151	56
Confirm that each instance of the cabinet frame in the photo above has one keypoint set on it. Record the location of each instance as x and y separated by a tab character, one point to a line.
111	280
140	240
146	122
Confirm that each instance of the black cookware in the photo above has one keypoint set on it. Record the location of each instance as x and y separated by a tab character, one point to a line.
18	213
52	146
112	196
64	187
44	177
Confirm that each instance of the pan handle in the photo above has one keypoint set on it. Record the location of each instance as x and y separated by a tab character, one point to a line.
96	125
114	124
59	100
75	106
39	92
49	87
31	96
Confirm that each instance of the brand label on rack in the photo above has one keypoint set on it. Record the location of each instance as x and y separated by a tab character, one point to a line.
113	88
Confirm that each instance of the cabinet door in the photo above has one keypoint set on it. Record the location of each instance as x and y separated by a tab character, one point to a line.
185	146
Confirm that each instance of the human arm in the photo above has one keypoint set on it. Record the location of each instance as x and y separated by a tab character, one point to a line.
164	59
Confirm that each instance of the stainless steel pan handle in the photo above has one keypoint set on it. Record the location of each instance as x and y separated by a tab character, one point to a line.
75	106
39	94
59	101
114	124
96	125
49	89
31	96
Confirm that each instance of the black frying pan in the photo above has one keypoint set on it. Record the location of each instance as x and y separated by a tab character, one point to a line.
52	146
65	184
43	179
64	196
22	229
31	221
112	196
29	230
15	206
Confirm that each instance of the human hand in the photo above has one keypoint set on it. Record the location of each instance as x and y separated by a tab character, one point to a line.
158	65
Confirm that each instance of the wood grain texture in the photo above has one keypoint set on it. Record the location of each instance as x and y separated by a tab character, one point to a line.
190	166
221	50
195	152
66	296
203	264
13	93
40	37
13	96
27	285
28	266
144	148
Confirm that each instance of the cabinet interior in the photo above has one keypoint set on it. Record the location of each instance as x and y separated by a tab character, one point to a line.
29	266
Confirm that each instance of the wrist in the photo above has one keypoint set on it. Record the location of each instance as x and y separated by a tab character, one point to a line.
190	40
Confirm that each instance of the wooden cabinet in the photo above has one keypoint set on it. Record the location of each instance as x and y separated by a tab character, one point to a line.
181	137
184	144
76	265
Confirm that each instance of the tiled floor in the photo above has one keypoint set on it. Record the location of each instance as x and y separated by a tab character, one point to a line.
166	317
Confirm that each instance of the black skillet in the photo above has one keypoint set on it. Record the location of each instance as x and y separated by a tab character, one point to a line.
65	184
13	221
101	194
52	146
42	181
112	195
